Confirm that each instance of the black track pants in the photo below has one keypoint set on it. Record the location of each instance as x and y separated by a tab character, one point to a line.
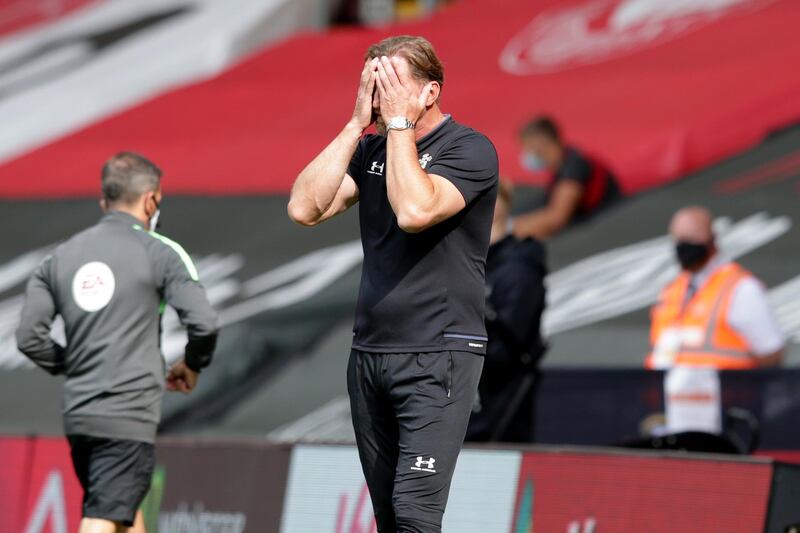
410	414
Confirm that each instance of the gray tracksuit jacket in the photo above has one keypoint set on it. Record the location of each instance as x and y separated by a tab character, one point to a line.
109	284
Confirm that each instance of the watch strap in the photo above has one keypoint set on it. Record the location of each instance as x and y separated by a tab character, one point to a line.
400	123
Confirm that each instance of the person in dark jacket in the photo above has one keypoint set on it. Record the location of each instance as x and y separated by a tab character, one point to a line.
515	271
110	283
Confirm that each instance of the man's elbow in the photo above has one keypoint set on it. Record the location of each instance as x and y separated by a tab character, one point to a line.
208	325
27	341
301	214
772	360
558	220
415	220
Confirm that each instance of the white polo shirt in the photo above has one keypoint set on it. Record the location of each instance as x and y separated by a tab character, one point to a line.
750	313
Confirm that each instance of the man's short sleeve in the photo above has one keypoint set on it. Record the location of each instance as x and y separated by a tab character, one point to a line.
356	166
752	316
470	164
575	168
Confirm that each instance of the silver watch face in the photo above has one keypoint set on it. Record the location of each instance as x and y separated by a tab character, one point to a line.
399	123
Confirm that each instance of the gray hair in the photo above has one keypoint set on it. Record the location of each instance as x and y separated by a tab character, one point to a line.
127	176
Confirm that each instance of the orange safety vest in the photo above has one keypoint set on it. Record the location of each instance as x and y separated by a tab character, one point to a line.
697	333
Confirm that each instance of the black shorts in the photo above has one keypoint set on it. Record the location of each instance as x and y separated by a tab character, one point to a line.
115	476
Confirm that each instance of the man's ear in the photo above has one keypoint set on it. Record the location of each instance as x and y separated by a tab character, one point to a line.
146	200
103	205
433	95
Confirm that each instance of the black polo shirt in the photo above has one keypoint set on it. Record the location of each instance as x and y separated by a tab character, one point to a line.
600	188
425	291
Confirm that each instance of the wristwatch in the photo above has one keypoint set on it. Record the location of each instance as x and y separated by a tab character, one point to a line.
399	123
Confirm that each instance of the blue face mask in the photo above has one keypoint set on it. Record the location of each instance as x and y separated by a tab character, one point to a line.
531	162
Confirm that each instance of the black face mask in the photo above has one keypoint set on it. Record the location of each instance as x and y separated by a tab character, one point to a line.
691	255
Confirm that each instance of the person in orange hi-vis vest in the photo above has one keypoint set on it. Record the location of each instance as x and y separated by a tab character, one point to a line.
715	313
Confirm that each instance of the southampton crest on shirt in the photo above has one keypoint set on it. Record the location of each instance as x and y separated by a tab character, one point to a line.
424	160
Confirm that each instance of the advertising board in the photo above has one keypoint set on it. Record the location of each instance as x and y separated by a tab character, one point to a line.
587	493
326	492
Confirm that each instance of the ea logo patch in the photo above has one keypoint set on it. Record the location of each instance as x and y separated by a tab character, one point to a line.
93	286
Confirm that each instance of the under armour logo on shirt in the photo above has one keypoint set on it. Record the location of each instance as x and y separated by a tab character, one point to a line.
377	168
424	465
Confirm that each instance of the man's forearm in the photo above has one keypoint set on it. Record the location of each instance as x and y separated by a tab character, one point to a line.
774	359
539	224
410	189
316	186
33	332
46	353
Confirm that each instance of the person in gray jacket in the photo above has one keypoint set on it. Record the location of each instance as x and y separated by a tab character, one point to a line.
109	284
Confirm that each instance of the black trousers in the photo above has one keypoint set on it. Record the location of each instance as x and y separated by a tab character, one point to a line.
410	413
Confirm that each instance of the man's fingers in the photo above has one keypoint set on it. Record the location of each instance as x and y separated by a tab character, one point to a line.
366	74
384	76
180	385
383	79
381	87
177	384
391	74
369	68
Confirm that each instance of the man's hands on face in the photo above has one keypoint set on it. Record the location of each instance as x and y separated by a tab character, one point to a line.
398	93
181	378
363	114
